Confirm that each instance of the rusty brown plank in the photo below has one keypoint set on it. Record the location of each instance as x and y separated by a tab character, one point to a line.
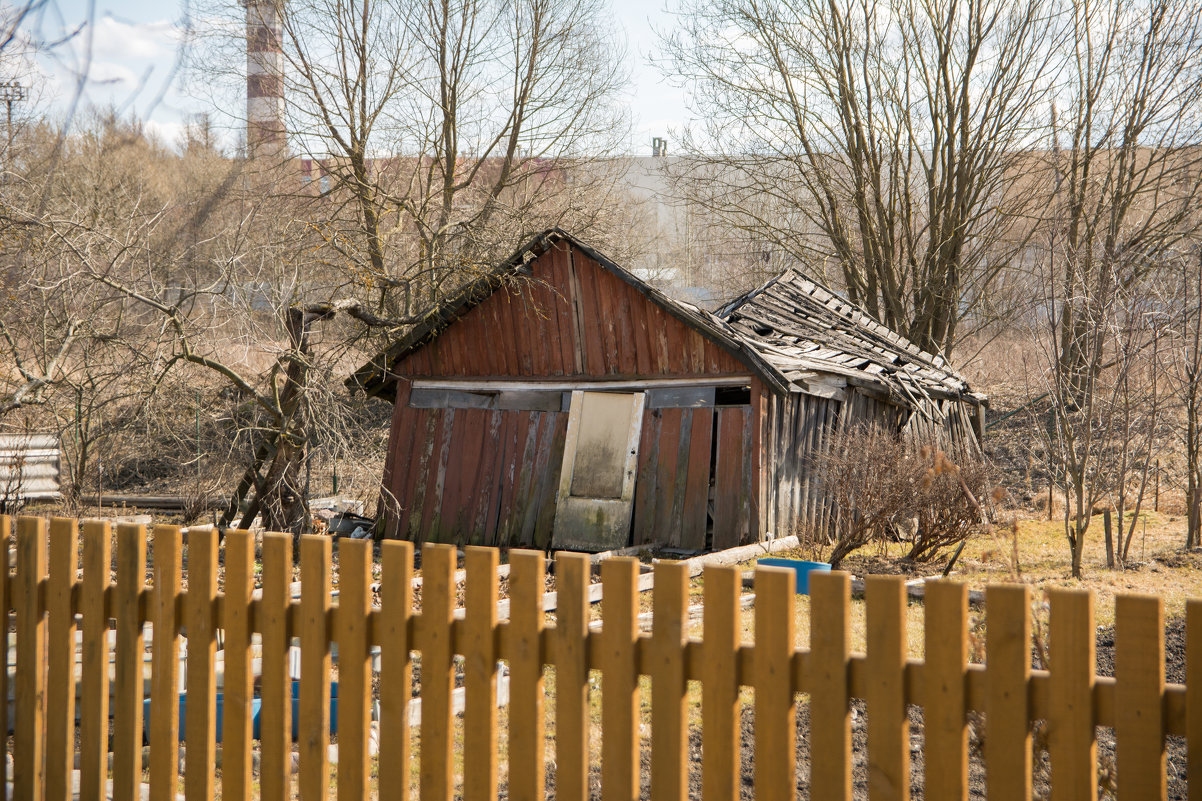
728	479
666	529
697	483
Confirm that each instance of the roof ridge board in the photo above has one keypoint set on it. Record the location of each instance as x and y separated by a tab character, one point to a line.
735	304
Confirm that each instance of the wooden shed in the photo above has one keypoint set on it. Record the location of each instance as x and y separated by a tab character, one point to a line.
562	402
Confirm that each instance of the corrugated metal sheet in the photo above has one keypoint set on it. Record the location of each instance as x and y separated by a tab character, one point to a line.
29	467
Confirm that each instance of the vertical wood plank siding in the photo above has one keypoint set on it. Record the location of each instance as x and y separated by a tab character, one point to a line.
477	476
488	477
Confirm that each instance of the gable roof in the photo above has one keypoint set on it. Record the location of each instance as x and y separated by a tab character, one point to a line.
375	376
790	332
804	330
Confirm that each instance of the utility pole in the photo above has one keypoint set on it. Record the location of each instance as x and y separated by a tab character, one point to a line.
12	92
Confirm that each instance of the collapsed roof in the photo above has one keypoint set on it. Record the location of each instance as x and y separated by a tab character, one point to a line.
794	334
810	334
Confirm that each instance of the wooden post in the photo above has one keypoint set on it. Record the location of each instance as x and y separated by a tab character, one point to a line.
438	671
720	707
128	675
6	531
943	711
1139	696
1072	740
480	675
830	712
527	742
1008	671
1108	527
775	703
200	710
29	776
571	677
888	722
1193	698
164	681
94	692
314	708
275	687
669	684
239	689
354	668
619	681
1156	497
60	704
396	666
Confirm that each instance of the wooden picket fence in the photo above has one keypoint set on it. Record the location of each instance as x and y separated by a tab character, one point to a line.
49	600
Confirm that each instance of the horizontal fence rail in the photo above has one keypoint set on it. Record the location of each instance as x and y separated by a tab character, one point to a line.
78	611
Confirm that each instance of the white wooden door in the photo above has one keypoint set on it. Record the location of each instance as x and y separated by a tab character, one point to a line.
596	483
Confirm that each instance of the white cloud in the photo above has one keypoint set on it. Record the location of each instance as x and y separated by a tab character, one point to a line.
170	134
114	39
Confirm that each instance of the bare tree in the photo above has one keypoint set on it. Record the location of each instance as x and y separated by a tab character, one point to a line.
878	138
1123	198
437	135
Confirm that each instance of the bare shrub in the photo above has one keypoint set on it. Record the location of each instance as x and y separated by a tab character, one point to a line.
946	501
879	484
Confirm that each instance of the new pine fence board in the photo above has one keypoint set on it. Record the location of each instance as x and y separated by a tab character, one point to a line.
619	680
47	605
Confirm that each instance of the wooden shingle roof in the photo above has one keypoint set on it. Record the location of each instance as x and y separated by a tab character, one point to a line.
809	333
794	334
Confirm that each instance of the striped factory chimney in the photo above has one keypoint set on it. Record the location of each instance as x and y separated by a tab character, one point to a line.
265	135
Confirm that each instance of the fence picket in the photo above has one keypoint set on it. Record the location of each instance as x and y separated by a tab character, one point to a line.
620	681
669	685
480	674
60	704
1008	669
94	689
527	746
6	606
720	724
275	685
888	723
129	673
945	725
1193	695
354	668
775	701
1139	694
237	716
29	778
200	706
438	671
313	777
396	666
571	677
164	681
1138	703
1072	742
830	710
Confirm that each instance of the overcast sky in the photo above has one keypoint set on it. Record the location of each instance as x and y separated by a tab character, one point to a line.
136	43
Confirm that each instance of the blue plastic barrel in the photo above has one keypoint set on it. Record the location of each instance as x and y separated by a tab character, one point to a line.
802	568
256	708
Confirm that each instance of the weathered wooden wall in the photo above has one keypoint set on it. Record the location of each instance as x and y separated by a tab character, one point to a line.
799	430
672	494
572	317
473	476
486	476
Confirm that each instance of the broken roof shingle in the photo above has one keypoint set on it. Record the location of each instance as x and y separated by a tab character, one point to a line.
790	331
799	326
